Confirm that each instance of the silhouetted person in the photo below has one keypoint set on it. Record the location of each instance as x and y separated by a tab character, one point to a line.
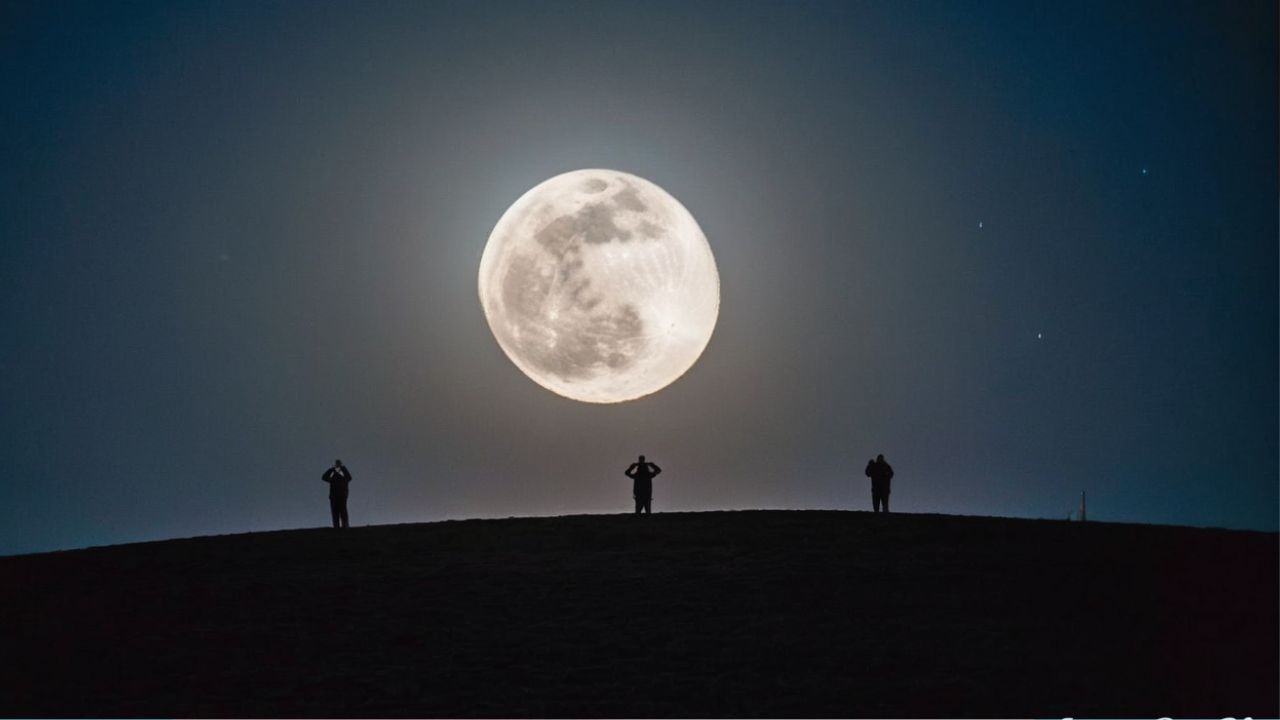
338	478
880	473
643	474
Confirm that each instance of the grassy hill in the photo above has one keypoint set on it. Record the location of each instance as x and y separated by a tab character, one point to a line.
766	613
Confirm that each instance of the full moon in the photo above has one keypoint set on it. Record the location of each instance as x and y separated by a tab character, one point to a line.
600	286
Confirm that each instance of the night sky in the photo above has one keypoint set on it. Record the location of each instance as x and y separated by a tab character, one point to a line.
1022	249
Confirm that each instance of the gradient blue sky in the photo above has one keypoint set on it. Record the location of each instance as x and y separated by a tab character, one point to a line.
1023	249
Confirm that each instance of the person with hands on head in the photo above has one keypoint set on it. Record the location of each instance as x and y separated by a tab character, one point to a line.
643	473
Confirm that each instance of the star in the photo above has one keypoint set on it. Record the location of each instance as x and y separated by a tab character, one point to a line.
1039	336
1144	171
979	224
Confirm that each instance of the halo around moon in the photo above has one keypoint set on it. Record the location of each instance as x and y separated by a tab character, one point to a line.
600	286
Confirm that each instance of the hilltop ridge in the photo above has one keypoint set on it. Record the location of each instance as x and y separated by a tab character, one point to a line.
746	613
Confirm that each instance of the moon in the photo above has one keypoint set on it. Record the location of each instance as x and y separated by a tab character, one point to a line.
600	286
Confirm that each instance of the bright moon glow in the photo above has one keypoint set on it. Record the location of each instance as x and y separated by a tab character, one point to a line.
600	286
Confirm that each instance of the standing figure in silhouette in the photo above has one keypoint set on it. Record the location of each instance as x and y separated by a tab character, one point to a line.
643	474
338	478
880	473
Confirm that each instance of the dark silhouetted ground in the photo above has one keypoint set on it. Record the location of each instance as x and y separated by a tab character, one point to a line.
691	614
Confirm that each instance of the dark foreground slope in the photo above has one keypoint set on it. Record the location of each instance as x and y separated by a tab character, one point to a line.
736	613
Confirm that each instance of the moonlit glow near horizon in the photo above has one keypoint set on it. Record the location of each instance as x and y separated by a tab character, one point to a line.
600	286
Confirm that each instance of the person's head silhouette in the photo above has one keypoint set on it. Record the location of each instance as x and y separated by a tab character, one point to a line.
641	459
879	458
337	463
